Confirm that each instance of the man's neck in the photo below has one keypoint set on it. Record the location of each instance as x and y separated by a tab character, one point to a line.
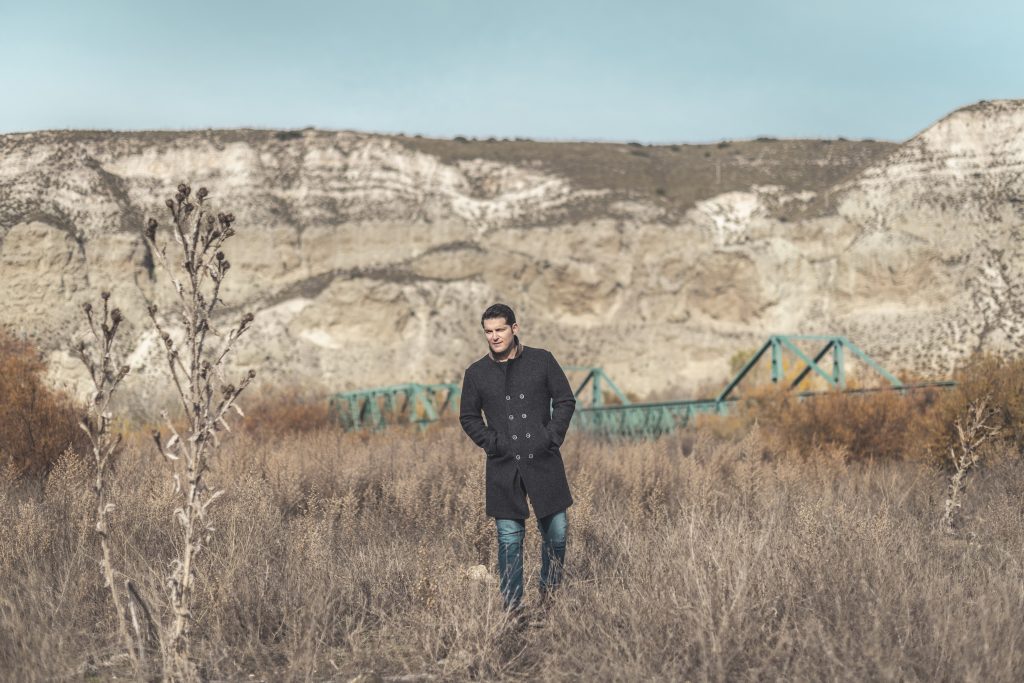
511	352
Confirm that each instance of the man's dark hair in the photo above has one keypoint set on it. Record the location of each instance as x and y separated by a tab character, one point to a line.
498	311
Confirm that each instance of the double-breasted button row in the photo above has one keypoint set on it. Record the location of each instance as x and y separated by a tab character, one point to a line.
515	437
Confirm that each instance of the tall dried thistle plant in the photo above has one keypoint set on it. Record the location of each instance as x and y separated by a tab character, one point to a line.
197	368
973	430
99	356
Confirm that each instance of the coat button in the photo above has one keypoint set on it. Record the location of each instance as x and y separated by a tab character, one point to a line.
517	456
514	437
508	398
527	435
531	455
524	415
510	417
522	395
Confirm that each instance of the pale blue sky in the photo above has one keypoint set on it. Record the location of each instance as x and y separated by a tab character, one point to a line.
637	70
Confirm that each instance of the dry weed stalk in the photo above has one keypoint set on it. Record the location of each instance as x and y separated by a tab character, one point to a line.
973	430
197	371
98	356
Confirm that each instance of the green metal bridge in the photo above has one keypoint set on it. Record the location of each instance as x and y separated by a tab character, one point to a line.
608	411
418	404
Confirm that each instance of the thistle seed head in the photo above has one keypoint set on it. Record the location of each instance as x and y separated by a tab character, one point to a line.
202	193
151	309
184	189
179	197
151	226
246	319
87	307
104	295
220	255
252	374
169	203
189	206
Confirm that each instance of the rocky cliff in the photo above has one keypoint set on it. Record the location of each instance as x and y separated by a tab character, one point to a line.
368	259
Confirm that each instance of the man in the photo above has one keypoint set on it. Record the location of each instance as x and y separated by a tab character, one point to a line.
528	404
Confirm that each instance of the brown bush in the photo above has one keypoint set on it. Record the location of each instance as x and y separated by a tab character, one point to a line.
866	425
917	424
1002	379
863	424
287	410
37	423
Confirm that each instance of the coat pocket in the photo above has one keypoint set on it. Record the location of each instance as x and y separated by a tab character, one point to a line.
491	450
501	445
546	443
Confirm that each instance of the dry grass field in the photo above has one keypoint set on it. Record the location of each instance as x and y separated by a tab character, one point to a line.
790	541
691	558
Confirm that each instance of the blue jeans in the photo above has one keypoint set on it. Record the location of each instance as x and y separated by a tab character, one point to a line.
511	532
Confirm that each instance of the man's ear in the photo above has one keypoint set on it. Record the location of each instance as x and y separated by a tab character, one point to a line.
515	328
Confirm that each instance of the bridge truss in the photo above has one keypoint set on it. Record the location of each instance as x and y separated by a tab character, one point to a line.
605	409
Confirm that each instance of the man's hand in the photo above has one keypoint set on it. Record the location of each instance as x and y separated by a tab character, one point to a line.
502	445
546	442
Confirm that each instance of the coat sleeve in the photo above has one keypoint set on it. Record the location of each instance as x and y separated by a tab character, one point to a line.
563	403
471	419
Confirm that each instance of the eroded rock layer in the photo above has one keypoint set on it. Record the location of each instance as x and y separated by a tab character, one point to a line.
367	259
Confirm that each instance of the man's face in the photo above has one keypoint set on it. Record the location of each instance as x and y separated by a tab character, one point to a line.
499	334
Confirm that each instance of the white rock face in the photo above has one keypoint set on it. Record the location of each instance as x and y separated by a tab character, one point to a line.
367	260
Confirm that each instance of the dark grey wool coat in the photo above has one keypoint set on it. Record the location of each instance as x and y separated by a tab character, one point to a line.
528	404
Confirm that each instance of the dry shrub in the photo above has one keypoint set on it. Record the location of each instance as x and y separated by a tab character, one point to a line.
881	424
760	403
916	424
999	379
37	423
287	410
